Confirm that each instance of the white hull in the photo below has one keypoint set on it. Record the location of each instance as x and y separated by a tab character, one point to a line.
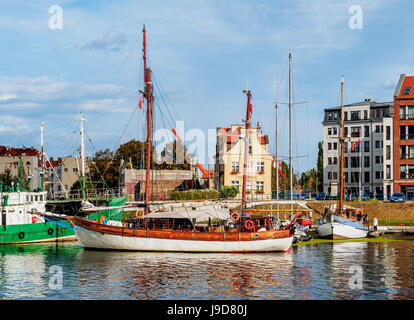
334	230
97	240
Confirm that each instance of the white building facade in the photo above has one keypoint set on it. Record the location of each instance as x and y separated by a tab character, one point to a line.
368	164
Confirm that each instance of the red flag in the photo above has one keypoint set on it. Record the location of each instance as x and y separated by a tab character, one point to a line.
355	144
140	102
280	169
175	133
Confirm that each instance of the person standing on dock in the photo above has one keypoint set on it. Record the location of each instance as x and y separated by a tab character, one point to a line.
375	224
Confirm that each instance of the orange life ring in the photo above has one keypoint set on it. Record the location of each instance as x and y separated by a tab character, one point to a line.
232	218
249	224
139	216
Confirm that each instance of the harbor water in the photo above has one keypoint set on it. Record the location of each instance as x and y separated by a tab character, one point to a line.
346	270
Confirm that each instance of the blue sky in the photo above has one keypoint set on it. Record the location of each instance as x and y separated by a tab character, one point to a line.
203	53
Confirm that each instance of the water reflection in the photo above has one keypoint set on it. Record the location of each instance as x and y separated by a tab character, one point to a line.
319	271
199	276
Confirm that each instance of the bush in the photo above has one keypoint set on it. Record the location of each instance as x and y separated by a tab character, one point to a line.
228	191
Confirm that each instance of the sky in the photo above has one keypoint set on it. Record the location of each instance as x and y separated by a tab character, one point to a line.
202	54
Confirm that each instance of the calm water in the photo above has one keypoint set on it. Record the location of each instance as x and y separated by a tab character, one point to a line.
307	272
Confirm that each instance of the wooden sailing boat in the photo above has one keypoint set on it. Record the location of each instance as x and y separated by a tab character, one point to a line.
342	223
204	229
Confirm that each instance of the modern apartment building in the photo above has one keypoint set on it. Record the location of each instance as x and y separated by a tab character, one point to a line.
404	136
230	150
368	150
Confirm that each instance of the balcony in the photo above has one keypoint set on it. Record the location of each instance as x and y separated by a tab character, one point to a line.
234	172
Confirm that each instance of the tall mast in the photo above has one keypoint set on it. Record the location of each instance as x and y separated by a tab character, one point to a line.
246	146
42	161
82	154
342	141
290	127
148	96
277	156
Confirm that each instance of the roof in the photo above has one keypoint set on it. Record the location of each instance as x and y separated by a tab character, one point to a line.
6	151
403	83
371	103
233	136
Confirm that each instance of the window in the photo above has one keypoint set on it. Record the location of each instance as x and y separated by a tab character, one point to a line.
377	175
403	152
335	175
248	185
329	175
346	177
329	131
346	162
330	116
388	133
65	169
235	166
345	147
329	146
366	178
366	146
250	149
366	131
335	160
354	162
388	173
388	152
403	130
249	167
335	115
365	115
410	112
354	176
355	115
356	147
236	184
410	171
403	114
75	169
345	131
329	160
403	172
260	166
377	144
335	131
406	91
377	159
259	185
335	145
366	162
345	116
377	113
355	132
377	129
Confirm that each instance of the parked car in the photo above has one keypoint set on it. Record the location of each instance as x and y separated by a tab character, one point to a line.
398	197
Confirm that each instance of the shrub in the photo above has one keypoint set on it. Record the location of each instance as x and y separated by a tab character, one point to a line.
228	191
194	195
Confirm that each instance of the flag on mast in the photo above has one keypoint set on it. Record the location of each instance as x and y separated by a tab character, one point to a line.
140	102
355	144
280	169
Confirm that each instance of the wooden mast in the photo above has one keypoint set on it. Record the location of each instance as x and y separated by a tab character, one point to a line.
342	141
246	146
148	96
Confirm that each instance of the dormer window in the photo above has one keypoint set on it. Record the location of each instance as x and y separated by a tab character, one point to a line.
406	91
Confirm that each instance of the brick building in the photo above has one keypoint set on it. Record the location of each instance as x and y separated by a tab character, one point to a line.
404	136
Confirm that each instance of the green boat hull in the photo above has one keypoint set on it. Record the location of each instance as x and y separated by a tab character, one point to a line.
50	232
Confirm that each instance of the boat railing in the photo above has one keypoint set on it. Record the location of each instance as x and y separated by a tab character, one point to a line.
101	193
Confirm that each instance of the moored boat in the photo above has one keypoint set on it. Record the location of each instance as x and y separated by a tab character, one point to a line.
179	231
341	223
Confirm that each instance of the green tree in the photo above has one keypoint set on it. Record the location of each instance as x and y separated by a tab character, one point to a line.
319	166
